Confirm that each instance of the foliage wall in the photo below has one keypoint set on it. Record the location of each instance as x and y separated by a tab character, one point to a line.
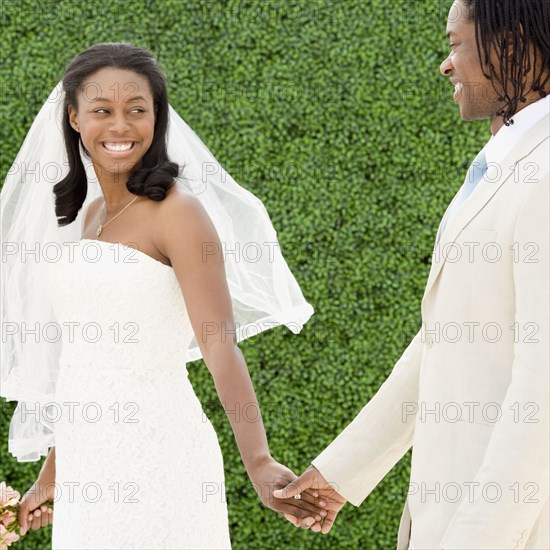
335	115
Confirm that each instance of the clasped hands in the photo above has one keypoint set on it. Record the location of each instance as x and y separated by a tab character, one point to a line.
276	485
318	505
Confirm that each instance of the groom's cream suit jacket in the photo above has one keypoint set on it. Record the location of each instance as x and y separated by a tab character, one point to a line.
470	393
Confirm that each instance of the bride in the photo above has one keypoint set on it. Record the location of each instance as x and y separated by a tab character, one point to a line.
132	462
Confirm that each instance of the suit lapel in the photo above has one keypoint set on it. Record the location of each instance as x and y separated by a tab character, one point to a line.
493	180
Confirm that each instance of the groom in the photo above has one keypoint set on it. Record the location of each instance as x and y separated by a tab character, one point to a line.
470	393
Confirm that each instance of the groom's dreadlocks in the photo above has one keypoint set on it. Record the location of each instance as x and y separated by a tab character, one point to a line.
518	31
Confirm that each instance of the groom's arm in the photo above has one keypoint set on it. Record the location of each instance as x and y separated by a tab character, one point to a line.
366	450
516	463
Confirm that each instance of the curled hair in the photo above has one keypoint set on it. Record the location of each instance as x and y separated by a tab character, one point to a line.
518	31
154	175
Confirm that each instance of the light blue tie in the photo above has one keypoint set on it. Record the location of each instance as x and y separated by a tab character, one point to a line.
473	177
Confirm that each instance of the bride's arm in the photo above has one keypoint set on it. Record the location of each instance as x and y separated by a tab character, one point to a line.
47	472
188	238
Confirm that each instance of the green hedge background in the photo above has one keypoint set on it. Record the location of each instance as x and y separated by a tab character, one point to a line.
335	115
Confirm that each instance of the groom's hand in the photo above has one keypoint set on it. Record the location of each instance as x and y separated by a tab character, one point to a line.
269	475
312	481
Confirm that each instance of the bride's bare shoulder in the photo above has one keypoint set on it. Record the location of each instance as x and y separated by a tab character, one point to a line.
179	201
182	212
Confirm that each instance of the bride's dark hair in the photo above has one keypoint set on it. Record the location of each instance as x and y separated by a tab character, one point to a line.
155	174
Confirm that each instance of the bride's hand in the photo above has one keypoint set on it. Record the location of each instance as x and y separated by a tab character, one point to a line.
33	513
270	475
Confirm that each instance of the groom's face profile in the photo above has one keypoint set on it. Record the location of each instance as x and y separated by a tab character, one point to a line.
474	92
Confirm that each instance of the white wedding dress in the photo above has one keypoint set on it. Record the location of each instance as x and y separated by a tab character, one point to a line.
138	464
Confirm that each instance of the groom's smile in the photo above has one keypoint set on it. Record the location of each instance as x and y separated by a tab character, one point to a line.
473	91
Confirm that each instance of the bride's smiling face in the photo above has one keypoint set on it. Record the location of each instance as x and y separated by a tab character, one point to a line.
115	119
